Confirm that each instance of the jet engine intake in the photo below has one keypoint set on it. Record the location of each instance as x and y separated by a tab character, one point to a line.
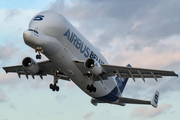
94	67
30	65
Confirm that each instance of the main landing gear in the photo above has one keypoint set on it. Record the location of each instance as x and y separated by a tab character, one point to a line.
39	51
54	87
91	88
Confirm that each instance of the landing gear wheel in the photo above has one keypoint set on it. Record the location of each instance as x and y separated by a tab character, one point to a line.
91	88
51	86
94	89
57	88
38	56
88	87
54	87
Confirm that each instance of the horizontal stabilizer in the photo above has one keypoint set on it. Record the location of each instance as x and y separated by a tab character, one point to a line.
96	101
133	101
153	102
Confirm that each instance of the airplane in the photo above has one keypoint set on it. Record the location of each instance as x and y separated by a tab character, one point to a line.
73	58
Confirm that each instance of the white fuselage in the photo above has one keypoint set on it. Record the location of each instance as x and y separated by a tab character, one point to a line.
62	44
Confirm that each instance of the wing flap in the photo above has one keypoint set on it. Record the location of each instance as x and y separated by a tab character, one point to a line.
111	68
139	76
21	71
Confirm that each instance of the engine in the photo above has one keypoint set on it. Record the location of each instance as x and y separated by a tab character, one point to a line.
94	67
30	65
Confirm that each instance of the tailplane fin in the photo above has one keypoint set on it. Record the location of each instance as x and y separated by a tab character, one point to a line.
154	101
122	84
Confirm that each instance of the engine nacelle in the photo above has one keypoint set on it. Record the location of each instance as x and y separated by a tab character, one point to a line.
94	67
30	65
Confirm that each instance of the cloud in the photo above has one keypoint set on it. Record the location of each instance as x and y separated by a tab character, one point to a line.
11	13
71	85
11	36
14	22
116	19
7	52
121	23
7	79
3	97
12	106
159	56
57	5
165	57
37	83
88	115
61	98
150	112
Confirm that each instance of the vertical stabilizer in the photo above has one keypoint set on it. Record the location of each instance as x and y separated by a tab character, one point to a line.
122	84
154	101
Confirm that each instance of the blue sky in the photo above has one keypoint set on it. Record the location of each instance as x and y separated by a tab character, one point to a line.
143	33
28	4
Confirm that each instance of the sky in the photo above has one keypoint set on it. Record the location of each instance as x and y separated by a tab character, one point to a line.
144	33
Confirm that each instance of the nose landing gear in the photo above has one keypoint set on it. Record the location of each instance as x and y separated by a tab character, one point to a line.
38	56
39	51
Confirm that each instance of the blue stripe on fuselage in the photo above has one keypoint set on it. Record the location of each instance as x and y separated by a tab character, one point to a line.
111	97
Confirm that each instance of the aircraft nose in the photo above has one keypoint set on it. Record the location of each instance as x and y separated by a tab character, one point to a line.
26	34
29	38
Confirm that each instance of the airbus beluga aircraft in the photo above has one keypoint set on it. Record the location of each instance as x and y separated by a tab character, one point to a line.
72	57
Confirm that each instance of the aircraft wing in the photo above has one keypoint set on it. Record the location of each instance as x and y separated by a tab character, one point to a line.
46	67
127	72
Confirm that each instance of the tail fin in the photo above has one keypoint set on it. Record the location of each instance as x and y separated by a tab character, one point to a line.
122	84
154	101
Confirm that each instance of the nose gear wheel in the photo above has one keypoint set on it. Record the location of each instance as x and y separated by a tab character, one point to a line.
39	51
38	56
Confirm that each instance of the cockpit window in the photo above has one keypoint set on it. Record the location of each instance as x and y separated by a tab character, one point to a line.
33	31
36	32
